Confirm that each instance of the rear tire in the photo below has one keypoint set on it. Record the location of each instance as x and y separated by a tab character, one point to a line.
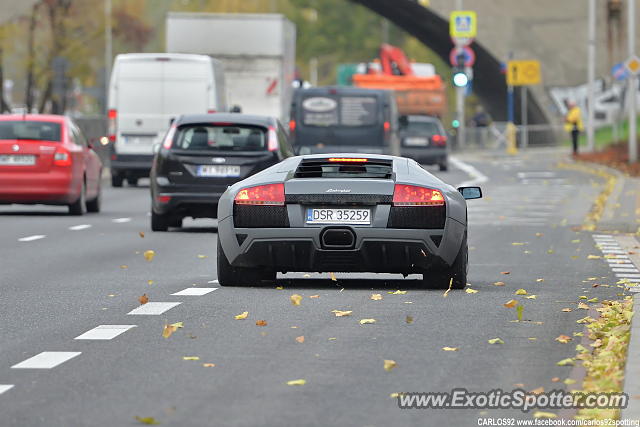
132	182
176	222
241	276
116	179
159	222
79	206
444	166
95	204
456	274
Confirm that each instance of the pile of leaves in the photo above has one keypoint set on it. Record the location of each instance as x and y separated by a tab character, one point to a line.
606	362
615	156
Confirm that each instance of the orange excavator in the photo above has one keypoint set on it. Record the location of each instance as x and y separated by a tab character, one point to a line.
415	95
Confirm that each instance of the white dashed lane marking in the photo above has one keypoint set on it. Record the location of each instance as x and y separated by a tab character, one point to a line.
5	387
46	360
79	227
105	332
618	261
154	308
120	220
194	291
32	238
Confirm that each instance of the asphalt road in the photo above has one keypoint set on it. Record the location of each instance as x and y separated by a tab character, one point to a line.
57	287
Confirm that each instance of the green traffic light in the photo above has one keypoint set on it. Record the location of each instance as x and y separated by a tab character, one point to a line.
455	123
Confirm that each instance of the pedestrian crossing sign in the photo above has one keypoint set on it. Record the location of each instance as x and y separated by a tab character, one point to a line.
463	23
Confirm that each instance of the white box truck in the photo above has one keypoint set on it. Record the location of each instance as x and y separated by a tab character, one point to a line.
146	92
257	50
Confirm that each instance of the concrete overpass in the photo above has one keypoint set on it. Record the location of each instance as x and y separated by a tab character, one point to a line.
552	31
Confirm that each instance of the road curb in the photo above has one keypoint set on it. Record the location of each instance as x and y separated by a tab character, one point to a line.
632	370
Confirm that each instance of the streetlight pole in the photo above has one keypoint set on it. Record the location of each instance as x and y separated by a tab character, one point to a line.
633	82
461	132
591	75
108	51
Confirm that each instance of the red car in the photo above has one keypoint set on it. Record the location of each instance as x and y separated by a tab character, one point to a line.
45	159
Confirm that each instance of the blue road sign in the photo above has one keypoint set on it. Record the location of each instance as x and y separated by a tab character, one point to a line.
619	71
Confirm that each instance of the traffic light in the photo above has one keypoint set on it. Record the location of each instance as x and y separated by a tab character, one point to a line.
459	75
455	123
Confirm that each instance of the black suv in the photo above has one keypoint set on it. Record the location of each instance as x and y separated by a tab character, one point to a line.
202	155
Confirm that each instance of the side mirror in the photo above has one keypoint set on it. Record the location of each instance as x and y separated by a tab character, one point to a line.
470	192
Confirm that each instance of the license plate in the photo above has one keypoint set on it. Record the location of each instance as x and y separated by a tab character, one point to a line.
17	160
219	171
138	139
416	141
338	216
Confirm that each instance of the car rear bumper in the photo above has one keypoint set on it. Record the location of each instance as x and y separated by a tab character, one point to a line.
54	187
377	250
196	205
427	156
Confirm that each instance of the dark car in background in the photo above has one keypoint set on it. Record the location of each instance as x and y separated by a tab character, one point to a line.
202	155
424	140
344	119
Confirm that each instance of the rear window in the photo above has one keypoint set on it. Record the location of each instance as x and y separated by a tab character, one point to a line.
422	128
221	138
351	111
24	130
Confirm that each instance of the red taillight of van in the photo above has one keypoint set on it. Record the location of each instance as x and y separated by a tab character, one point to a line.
62	157
112	115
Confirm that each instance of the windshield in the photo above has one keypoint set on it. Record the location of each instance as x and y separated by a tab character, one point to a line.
30	130
350	111
203	137
422	128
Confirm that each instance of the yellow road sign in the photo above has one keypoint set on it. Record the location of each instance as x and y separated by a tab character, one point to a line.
523	73
463	23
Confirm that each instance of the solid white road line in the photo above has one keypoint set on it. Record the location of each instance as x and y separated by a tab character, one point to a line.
46	360
154	308
5	387
79	227
120	220
213	281
195	291
32	238
477	177
104	332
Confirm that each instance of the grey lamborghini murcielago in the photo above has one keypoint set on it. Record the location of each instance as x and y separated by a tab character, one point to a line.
344	213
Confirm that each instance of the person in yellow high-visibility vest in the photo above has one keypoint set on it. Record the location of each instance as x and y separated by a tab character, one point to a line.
573	124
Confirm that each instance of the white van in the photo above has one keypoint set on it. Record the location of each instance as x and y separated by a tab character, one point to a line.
146	92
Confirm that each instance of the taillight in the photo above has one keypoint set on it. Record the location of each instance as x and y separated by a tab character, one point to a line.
413	195
62	157
211	111
347	159
272	142
386	126
168	139
292	125
112	115
270	194
163	199
439	139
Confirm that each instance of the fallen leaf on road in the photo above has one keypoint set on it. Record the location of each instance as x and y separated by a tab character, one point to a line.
555	379
333	276
124	267
143	299
448	289
566	362
593	300
190	358
150	282
532	339
340	313
389	365
539	234
208	365
575	241
279	288
587	319
409	319
314	296
148	255
495	341
594	257
563	339
569	381
597	343
332	339
367	321
395	395
398	292
538	390
243	315
519	311
539	280
376	297
550	251
518	244
505	272
300	339
202	256
583	306
582	297
141	234
471	291
521	292
146	420
261	323
498	283
297	382
567	310
578	334
295	299
531	297
511	303
541	414
450	348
